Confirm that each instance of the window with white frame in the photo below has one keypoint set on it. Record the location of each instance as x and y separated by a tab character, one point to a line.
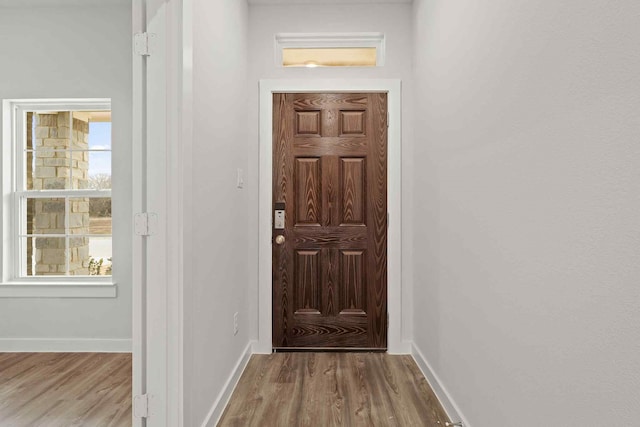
330	49
60	191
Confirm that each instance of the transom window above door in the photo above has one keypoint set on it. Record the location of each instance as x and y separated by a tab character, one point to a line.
330	50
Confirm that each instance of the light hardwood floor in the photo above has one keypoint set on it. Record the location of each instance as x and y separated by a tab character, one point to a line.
65	389
332	389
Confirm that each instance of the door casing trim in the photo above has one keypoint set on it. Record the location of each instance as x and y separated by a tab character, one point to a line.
393	88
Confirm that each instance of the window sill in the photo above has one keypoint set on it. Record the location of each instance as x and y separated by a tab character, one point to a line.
58	290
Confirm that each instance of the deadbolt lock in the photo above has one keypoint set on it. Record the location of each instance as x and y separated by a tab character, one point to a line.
278	216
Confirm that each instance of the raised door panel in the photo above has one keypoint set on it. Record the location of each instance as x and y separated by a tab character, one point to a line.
352	173
352	123
307	191
308	123
308	291
353	283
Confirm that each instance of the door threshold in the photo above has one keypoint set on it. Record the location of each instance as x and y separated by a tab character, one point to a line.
329	349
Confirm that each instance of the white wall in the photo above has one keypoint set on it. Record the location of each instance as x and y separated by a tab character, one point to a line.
216	211
527	195
88	49
264	23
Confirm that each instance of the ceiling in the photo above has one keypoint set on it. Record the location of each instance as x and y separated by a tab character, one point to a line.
325	1
56	3
23	3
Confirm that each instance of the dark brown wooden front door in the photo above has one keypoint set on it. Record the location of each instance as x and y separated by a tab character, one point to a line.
330	259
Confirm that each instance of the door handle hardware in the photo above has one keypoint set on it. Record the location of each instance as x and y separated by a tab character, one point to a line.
279	239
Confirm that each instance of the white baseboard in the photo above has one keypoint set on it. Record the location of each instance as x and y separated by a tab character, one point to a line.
403	347
64	345
259	347
223	398
448	404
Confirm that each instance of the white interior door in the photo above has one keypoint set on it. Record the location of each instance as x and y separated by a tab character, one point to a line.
138	204
157	158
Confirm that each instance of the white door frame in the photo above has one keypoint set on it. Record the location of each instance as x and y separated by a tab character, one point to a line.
392	87
138	303
159	96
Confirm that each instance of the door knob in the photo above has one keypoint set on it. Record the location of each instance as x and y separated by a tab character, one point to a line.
279	239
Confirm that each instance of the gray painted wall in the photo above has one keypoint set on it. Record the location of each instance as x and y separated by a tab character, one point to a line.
527	194
216	239
392	20
88	50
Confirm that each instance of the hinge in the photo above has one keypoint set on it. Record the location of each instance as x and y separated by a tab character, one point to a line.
388	118
387	220
145	223
144	43
141	406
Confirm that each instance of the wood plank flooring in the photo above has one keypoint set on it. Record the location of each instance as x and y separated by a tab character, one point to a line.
65	389
332	389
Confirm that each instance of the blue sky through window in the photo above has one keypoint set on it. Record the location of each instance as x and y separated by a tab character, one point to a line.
99	139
